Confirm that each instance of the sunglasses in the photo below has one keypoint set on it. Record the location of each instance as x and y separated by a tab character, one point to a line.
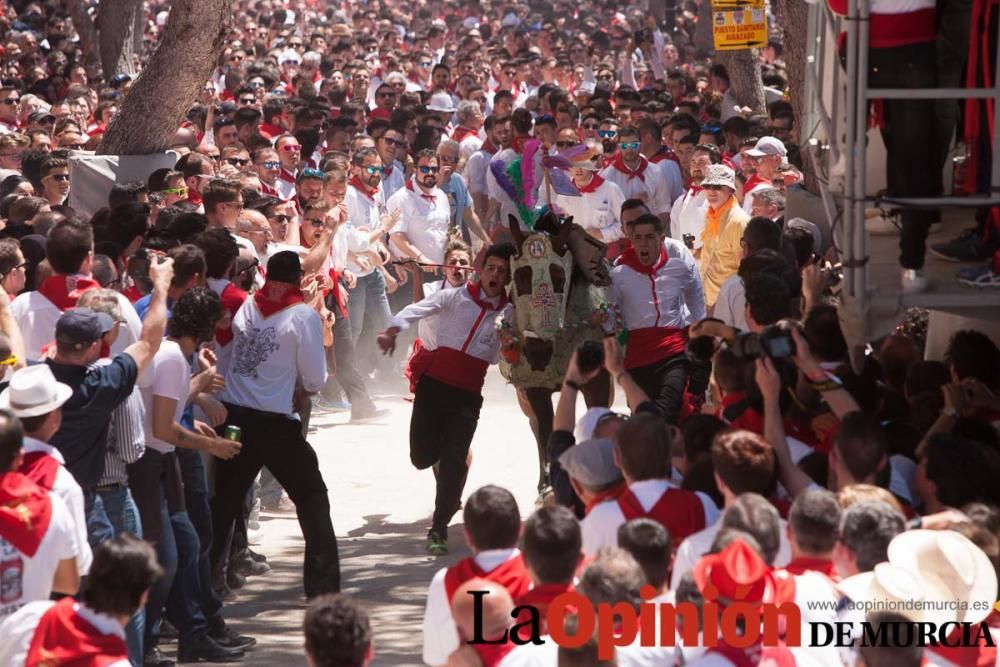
236	57
281	217
11	101
629	145
564	144
237	162
607	134
429	170
312	173
712	187
295	45
247	100
386	95
270	164
253	267
180	192
374	170
393	142
590	126
62	178
425	63
291	148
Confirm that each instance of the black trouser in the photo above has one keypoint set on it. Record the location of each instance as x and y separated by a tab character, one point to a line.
276	441
199	511
664	382
908	132
443	423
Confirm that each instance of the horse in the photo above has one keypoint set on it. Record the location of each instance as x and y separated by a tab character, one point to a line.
558	288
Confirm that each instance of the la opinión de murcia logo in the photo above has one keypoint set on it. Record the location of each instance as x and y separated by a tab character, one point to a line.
737	624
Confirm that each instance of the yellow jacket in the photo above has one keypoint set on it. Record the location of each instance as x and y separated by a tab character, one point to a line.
721	251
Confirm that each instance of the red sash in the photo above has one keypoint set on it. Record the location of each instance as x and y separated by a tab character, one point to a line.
65	290
651	344
25	512
40	468
511	574
639	172
679	511
966	656
418	363
274	297
539	597
64	638
232	298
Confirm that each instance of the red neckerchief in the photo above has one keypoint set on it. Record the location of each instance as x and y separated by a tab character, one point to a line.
25	512
608	494
822	565
362	188
630	258
274	297
286	176
591	186
518	144
423	195
133	294
694	190
488	146
270	130
491	654
195	198
476	295
65	290
386	172
40	468
268	190
753	182
63	637
638	172
461	132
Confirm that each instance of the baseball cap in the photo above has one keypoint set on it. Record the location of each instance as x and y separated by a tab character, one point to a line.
592	463
768	146
39	116
80	327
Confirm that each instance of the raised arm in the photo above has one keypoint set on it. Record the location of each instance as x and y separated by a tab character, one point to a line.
614	361
769	382
155	324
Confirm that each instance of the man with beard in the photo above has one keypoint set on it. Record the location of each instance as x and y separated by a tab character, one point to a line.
267	166
308	188
463	216
478	164
448	394
687	217
422	232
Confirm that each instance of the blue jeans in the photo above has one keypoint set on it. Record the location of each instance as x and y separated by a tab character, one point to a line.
368	306
123	516
200	514
180	587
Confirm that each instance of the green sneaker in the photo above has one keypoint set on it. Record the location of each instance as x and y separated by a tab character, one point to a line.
436	544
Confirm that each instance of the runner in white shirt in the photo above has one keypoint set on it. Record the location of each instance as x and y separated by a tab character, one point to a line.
638	177
422	232
478	164
599	207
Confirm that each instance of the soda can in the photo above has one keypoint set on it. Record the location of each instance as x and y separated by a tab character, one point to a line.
233	433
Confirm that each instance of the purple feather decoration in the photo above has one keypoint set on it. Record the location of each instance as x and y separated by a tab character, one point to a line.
499	170
573	153
562	184
557	161
528	171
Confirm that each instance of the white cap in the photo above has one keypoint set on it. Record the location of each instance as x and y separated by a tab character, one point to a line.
768	146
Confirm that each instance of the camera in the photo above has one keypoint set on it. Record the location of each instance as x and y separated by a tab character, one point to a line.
589	356
688	241
773	342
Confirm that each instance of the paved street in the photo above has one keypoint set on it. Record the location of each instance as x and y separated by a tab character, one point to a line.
381	511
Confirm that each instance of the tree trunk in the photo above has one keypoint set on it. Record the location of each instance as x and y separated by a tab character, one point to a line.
84	26
743	67
794	18
158	101
116	26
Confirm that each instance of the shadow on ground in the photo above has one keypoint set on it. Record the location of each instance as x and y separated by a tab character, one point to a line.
382	564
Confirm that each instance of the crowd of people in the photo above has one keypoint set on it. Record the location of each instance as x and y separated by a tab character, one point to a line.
337	196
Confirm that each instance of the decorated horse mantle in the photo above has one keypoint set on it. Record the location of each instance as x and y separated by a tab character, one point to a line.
558	291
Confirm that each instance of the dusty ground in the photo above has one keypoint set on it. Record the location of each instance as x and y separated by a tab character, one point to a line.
381	512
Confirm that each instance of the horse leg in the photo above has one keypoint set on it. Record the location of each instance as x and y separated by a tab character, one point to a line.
536	403
600	391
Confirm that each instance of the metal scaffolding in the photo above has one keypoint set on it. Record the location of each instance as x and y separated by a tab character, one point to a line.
849	205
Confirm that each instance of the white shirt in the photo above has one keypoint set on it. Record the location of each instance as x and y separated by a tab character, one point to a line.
598	212
440	631
37	316
424	223
676	299
475	171
672	175
66	487
469	145
600	527
653	185
363	216
271	354
730	305
168	376
427	327
687	216
19	629
394	181
285	188
461	323
25	579
697	545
